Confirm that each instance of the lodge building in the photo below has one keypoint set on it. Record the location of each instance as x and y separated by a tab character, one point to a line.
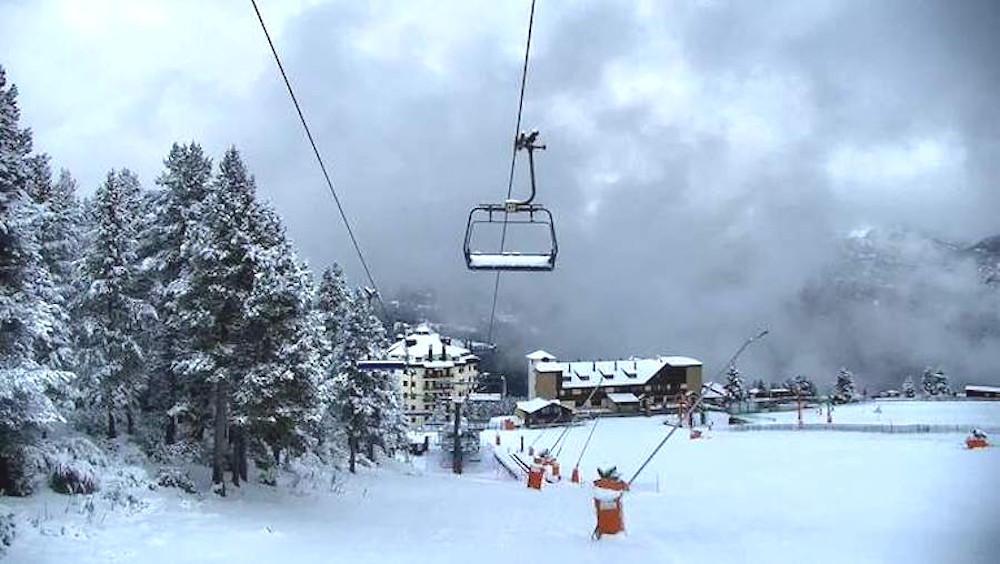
430	371
621	385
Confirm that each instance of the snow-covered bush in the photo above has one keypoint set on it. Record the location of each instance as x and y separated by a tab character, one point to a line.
73	477
8	529
71	464
176	478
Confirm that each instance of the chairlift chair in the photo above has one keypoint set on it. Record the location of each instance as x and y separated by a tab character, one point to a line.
516	212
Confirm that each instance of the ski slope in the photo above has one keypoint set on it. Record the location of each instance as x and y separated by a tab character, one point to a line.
896	412
732	497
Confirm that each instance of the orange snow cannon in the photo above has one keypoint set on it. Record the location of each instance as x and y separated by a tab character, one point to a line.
695	434
536	475
976	439
608	492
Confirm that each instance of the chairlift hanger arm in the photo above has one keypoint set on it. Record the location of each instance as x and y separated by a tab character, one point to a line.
527	141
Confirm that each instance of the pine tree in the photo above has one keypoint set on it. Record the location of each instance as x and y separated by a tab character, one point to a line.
333	304
802	385
29	316
167	250
57	224
734	387
388	428
934	382
844	388
355	388
112	313
909	389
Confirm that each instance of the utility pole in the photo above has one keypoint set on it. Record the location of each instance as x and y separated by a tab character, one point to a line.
456	465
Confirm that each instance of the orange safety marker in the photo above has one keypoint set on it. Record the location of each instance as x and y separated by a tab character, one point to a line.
536	475
608	506
575	476
695	434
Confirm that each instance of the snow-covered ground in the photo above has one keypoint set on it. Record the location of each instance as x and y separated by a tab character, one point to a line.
731	497
896	412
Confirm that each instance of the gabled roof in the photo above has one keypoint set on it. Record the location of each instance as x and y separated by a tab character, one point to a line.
536	404
425	340
540	355
589	373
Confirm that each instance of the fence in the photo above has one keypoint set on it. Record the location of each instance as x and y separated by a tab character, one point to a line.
863	427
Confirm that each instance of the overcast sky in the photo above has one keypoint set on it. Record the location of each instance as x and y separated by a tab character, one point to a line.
704	156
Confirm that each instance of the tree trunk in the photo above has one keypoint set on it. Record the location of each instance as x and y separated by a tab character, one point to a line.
371	450
171	434
238	464
219	444
129	421
352	446
112	432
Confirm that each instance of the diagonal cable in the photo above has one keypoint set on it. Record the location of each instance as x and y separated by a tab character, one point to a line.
513	161
319	159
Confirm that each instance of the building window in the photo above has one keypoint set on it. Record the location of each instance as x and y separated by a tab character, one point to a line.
647	388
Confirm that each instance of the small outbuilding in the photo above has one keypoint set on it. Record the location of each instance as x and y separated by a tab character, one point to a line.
985	392
623	402
540	411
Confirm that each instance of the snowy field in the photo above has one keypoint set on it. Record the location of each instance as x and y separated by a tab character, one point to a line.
896	412
731	497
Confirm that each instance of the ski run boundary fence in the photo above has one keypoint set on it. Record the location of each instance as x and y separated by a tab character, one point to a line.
863	427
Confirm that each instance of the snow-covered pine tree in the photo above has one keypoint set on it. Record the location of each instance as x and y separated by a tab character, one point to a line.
389	424
909	389
277	401
112	314
734	387
802	385
355	388
843	390
57	224
934	382
219	277
166	252
334	303
27	316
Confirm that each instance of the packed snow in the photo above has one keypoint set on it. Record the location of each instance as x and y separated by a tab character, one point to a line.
895	412
728	497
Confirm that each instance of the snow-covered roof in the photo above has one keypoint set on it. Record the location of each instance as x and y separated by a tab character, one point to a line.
438	364
480	396
534	405
623	398
589	373
681	361
540	355
424	340
993	389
